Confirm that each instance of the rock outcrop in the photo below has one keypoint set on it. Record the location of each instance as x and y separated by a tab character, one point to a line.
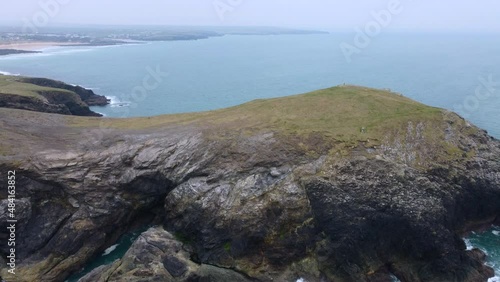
253	193
50	97
5	52
86	95
156	253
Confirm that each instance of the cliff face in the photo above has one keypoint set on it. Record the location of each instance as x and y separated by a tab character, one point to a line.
86	95
268	191
50	96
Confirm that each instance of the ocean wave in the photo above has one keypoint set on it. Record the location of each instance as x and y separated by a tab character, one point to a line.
24	56
117	102
494	279
88	88
468	244
8	73
71	51
47	52
103	115
492	261
110	250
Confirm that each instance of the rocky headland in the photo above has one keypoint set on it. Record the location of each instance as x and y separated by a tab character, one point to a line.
5	52
49	96
342	184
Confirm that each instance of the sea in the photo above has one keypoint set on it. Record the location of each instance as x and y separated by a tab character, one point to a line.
456	71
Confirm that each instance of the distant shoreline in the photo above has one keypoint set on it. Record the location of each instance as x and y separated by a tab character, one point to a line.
16	45
18	48
5	52
35	46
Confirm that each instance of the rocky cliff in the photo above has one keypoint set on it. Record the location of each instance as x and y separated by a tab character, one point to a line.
86	95
342	184
5	52
46	95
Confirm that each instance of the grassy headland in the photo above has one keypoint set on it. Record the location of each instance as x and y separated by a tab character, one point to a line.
14	85
46	95
338	119
343	112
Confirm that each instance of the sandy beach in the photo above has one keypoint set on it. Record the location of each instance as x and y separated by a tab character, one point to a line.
32	46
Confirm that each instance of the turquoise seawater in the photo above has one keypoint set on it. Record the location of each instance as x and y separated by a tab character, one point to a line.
489	242
442	70
459	72
111	254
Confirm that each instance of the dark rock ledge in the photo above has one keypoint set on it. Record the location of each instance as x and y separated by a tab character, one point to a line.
5	52
56	97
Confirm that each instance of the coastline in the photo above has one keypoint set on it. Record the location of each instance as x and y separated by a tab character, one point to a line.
8	73
29	48
36	46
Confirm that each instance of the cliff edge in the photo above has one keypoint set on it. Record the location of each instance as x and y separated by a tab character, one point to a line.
342	184
47	95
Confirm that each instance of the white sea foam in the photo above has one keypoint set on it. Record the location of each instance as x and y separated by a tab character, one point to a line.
468	244
8	73
88	88
110	250
25	55
301	280
49	51
494	279
117	102
71	51
395	279
103	115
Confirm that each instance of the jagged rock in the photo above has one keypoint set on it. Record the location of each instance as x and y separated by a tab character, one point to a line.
157	256
338	210
86	95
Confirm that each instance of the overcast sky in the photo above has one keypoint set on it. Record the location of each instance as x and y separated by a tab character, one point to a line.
444	15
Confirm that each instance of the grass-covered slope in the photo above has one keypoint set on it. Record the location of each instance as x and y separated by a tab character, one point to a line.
337	119
339	111
342	116
45	95
13	85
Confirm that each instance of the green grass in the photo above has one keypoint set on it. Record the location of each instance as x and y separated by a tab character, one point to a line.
336	120
339	112
13	85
